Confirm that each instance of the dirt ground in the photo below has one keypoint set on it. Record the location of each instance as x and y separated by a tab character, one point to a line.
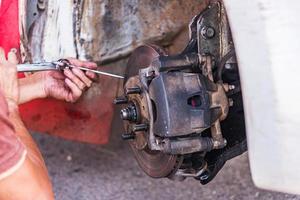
109	172
93	172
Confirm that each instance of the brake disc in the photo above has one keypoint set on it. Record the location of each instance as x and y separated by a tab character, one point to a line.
155	163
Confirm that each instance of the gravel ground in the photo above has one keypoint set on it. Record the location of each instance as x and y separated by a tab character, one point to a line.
109	172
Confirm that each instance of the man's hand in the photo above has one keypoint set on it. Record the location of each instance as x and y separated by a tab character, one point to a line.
67	85
8	79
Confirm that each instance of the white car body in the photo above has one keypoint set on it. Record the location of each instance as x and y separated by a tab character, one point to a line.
266	35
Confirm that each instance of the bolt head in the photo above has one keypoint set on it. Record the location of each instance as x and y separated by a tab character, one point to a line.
208	32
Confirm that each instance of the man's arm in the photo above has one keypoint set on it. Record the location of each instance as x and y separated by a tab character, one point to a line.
30	181
31	88
25	178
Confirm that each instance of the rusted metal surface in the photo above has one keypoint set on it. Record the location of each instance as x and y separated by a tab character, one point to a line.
127	24
107	30
140	140
101	31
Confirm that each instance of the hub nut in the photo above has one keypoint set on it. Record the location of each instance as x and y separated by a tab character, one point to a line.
129	113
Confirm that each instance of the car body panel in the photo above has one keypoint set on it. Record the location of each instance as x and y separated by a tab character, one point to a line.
266	35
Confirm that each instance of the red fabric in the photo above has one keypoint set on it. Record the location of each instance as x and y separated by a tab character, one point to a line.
11	149
9	25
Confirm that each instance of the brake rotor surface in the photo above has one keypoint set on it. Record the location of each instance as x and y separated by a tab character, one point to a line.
155	163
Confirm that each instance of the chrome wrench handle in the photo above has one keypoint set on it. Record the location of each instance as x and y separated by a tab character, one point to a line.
36	67
59	65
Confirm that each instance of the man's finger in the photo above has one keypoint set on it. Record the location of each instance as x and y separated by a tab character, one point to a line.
90	65
75	91
56	75
12	56
2	55
81	75
92	75
75	62
69	74
80	63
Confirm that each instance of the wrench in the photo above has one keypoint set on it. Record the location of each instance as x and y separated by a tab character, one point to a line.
58	65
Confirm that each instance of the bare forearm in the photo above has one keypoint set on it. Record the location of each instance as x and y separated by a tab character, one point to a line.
33	172
20	129
30	88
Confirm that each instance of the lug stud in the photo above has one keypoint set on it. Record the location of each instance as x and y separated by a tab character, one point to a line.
120	100
128	136
133	90
140	127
